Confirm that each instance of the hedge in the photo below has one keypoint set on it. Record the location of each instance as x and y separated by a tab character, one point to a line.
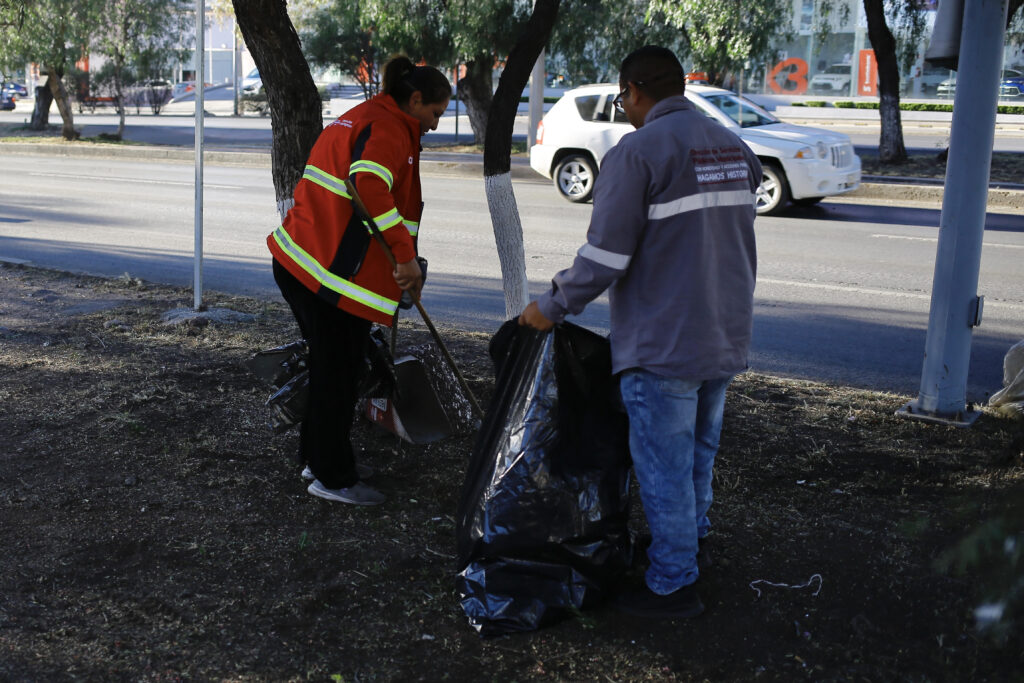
922	106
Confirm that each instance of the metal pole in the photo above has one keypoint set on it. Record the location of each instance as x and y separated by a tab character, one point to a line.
197	287
456	103
536	100
235	63
956	308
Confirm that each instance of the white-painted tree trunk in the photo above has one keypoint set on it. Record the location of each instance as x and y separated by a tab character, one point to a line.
508	237
284	206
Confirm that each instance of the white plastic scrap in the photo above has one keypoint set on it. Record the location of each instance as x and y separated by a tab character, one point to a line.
1011	397
753	584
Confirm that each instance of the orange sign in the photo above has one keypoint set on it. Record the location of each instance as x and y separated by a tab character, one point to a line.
794	71
867	74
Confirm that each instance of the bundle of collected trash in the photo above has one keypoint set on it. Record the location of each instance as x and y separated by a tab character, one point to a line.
415	396
542	522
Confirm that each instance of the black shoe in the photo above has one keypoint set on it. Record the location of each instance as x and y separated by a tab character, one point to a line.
681	604
704	553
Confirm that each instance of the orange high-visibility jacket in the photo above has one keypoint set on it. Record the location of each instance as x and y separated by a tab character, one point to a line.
322	241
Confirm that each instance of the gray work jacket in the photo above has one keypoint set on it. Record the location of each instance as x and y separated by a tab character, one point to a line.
672	238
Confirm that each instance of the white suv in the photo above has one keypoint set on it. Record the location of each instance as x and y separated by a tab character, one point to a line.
801	164
833	80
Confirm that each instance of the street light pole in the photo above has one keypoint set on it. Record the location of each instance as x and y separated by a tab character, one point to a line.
956	307
197	259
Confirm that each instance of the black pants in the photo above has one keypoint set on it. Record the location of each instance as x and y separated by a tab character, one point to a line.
338	342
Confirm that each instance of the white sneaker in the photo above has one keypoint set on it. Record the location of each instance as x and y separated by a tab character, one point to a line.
357	494
364	472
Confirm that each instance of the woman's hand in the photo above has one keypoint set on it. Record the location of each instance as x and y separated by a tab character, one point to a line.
409	277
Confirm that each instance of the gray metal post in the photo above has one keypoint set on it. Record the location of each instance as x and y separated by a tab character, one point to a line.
536	100
197	258
955	307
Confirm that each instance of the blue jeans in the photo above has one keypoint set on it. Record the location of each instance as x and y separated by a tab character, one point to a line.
674	427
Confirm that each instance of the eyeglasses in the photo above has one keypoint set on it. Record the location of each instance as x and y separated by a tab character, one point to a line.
617	102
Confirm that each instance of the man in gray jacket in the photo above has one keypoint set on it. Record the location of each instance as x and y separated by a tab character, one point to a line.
672	239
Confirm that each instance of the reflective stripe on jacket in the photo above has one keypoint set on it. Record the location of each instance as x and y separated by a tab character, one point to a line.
671	238
323	243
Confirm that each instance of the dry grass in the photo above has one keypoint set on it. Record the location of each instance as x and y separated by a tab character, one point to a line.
153	529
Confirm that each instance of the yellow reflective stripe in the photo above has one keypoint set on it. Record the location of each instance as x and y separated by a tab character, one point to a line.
328	279
373	167
326	180
413	228
388	219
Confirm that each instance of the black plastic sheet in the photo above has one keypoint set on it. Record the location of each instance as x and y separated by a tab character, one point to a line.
542	522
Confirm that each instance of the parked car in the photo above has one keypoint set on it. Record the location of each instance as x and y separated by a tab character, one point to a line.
6	101
800	163
928	79
15	90
252	84
1012	84
834	79
947	88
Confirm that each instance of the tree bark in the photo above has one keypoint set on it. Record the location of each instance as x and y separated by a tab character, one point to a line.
891	149
119	94
55	81
501	200
41	111
295	106
475	88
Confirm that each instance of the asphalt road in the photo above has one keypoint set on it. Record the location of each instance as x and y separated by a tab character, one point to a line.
843	288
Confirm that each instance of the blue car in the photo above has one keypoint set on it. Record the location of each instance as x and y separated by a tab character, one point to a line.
6	101
15	89
1012	84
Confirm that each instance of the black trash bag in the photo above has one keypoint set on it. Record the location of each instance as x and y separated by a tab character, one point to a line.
285	367
289	404
542	521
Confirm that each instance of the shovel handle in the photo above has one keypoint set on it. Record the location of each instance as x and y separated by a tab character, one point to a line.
357	202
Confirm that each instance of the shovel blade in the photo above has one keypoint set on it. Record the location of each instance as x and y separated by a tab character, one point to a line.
414	411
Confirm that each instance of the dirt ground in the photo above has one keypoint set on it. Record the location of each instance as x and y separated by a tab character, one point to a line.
154	529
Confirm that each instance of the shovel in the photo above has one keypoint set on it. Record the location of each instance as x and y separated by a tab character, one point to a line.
413	376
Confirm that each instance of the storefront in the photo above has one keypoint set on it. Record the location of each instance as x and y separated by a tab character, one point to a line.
843	64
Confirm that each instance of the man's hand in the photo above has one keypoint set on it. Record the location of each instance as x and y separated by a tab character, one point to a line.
409	277
532	317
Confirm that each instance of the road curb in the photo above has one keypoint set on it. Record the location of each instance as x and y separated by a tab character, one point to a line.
520	169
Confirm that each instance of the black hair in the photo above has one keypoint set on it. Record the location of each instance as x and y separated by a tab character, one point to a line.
655	70
402	78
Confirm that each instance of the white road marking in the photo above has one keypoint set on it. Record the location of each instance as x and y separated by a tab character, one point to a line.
853	289
184	183
910	238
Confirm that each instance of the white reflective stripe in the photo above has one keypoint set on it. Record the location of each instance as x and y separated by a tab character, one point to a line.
413	228
604	257
325	180
330	280
387	220
366	166
703	200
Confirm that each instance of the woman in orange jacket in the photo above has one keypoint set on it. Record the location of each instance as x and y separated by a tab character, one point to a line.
335	276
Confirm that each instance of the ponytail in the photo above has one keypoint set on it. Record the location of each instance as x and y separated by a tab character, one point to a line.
402	78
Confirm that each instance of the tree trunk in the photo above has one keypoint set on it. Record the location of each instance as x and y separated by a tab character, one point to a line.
475	89
501	200
295	106
890	144
119	94
41	112
55	81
